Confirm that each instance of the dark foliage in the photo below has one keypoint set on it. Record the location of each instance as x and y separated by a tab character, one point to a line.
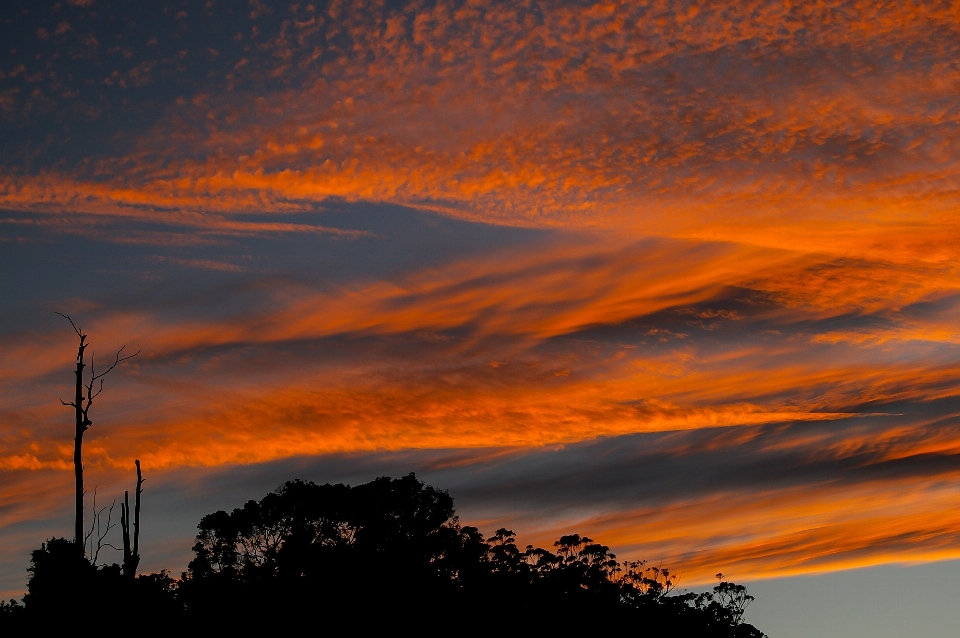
12	616
64	586
391	553
386	555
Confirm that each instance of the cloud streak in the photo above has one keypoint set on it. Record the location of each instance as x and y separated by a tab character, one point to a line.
715	242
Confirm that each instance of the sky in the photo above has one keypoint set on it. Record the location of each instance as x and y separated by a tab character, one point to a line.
682	276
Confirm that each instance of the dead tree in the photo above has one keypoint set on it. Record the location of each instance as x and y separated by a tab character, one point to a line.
83	399
131	555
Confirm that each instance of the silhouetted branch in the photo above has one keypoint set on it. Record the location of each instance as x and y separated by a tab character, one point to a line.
75	328
97	531
95	377
113	365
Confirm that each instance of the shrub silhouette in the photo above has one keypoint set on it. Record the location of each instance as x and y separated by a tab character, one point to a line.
60	578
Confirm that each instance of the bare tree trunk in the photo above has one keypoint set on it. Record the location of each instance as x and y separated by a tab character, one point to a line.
136	520
125	532
131	555
81	426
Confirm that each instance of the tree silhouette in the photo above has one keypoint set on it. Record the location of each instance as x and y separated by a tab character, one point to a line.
83	400
389	555
393	550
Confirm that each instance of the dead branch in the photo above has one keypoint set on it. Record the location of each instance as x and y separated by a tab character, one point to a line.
75	328
98	532
98	377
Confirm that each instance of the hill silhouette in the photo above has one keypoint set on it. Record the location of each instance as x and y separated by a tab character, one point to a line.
386	555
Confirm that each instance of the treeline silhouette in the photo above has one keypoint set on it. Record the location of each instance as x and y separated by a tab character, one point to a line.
386	555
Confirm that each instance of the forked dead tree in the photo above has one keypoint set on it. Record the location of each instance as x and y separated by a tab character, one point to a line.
83	399
131	555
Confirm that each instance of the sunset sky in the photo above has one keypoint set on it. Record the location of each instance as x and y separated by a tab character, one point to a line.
683	276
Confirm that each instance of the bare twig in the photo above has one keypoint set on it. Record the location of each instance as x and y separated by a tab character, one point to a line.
99	531
110	525
113	365
75	328
87	536
95	377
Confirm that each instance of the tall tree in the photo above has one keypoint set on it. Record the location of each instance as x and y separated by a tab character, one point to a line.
83	399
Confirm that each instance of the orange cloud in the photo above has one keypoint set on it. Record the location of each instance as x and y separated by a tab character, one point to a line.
797	159
577	116
790	532
511	379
